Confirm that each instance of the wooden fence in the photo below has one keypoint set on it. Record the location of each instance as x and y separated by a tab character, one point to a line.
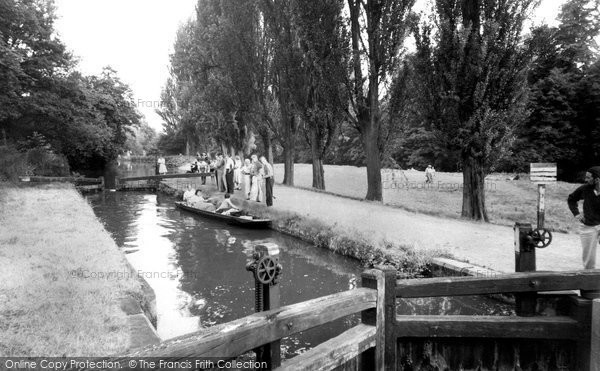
82	184
150	182
374	343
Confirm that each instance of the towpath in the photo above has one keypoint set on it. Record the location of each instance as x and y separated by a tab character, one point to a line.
483	244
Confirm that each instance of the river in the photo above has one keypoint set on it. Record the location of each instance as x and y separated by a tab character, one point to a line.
196	266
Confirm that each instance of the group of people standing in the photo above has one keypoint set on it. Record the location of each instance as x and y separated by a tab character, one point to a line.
254	176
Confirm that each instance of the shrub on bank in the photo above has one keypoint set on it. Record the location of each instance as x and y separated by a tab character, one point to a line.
35	161
13	164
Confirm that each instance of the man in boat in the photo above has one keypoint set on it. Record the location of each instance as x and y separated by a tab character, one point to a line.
227	207
196	198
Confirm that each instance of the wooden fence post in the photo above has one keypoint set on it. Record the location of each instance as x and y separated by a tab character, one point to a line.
101	182
595	337
524	262
383	317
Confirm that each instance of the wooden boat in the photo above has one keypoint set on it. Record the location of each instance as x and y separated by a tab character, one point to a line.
244	221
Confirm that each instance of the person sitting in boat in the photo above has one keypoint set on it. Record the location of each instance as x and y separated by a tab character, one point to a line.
188	193
197	198
227	207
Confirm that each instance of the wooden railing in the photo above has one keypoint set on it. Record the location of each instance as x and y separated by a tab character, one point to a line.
373	344
164	176
579	326
234	338
85	184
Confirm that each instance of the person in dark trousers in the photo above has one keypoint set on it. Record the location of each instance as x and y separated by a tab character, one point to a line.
229	168
589	228
269	180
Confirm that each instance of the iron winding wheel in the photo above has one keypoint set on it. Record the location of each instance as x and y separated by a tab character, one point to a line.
541	237
266	270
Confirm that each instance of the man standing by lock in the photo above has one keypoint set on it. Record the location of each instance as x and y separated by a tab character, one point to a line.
589	229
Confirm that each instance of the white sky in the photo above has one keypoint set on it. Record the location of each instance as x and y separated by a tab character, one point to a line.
135	37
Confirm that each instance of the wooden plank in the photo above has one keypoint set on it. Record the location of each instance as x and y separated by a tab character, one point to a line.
334	352
595	340
63	179
368	317
165	176
385	351
524	262
239	336
487	327
588	279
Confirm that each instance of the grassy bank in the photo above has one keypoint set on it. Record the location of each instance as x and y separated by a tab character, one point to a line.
507	201
53	301
352	244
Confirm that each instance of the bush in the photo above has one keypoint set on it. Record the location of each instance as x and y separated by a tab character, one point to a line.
36	161
47	163
13	164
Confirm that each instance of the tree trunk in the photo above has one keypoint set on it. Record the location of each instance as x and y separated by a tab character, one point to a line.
473	206
268	147
4	137
317	159
370	135
288	166
187	147
371	148
289	145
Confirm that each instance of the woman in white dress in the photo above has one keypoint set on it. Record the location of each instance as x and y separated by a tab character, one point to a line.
247	175
237	172
162	165
256	189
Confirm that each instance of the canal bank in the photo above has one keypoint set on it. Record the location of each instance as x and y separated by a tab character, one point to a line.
64	279
339	239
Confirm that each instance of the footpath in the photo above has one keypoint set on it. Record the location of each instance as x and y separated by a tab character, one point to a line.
480	244
483	244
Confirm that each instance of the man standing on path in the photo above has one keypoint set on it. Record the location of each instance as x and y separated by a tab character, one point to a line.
269	180
219	167
229	167
589	230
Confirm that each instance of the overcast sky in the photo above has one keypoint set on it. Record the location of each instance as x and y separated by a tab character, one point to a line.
135	37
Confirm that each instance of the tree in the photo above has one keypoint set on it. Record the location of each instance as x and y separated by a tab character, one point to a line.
86	118
473	68
373	60
561	127
286	67
322	97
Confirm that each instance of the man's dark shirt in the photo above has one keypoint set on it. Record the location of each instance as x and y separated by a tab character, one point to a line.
591	204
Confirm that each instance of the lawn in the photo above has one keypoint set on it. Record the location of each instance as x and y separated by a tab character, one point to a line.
508	201
47	233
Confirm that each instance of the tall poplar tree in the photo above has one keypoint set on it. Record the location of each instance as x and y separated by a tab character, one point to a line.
473	68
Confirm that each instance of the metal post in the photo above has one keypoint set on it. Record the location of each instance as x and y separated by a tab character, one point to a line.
541	205
525	262
266	270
